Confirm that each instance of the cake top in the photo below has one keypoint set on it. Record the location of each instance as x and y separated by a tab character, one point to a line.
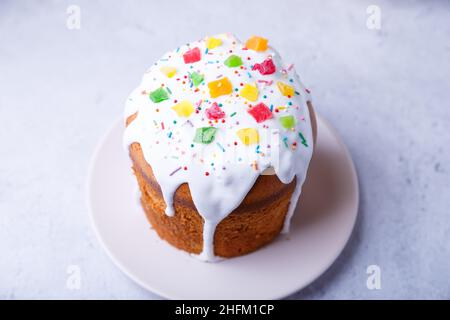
216	113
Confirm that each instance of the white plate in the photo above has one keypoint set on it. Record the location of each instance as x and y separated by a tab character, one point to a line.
320	229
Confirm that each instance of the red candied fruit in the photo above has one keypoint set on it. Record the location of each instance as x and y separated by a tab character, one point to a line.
260	112
192	55
214	112
265	67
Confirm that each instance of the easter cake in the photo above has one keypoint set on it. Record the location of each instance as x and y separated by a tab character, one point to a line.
220	134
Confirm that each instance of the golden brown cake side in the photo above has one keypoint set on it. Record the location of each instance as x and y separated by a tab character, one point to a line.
254	223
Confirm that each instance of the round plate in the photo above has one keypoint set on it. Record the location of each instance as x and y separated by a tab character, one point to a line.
321	227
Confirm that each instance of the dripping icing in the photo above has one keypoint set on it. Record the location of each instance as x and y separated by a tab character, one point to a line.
167	140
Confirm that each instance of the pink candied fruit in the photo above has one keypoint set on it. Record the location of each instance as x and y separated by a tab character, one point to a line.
214	112
260	112
192	55
265	67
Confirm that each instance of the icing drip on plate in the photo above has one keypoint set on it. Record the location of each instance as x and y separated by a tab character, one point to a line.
216	114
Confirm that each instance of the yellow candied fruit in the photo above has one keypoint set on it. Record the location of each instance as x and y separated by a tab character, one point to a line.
285	89
212	43
220	87
168	71
184	108
248	136
249	92
257	43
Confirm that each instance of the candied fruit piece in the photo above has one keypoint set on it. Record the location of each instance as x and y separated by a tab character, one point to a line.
287	122
249	92
212	43
233	61
285	89
196	78
215	112
184	108
168	71
159	95
248	136
192	55
257	43
220	87
266	67
205	135
260	112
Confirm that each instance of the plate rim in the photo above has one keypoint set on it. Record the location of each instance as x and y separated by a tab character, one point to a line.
142	284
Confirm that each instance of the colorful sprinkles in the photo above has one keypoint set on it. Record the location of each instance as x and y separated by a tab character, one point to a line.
239	86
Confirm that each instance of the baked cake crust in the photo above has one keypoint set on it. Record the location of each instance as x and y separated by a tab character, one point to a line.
253	224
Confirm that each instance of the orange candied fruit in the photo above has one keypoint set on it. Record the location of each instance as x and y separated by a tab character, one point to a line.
220	87
257	43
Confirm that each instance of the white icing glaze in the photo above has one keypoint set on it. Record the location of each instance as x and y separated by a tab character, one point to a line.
220	174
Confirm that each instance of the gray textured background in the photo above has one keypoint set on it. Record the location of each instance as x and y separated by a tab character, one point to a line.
387	92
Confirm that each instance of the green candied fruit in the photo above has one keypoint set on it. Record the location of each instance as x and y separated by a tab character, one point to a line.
287	122
196	78
205	135
159	95
233	61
